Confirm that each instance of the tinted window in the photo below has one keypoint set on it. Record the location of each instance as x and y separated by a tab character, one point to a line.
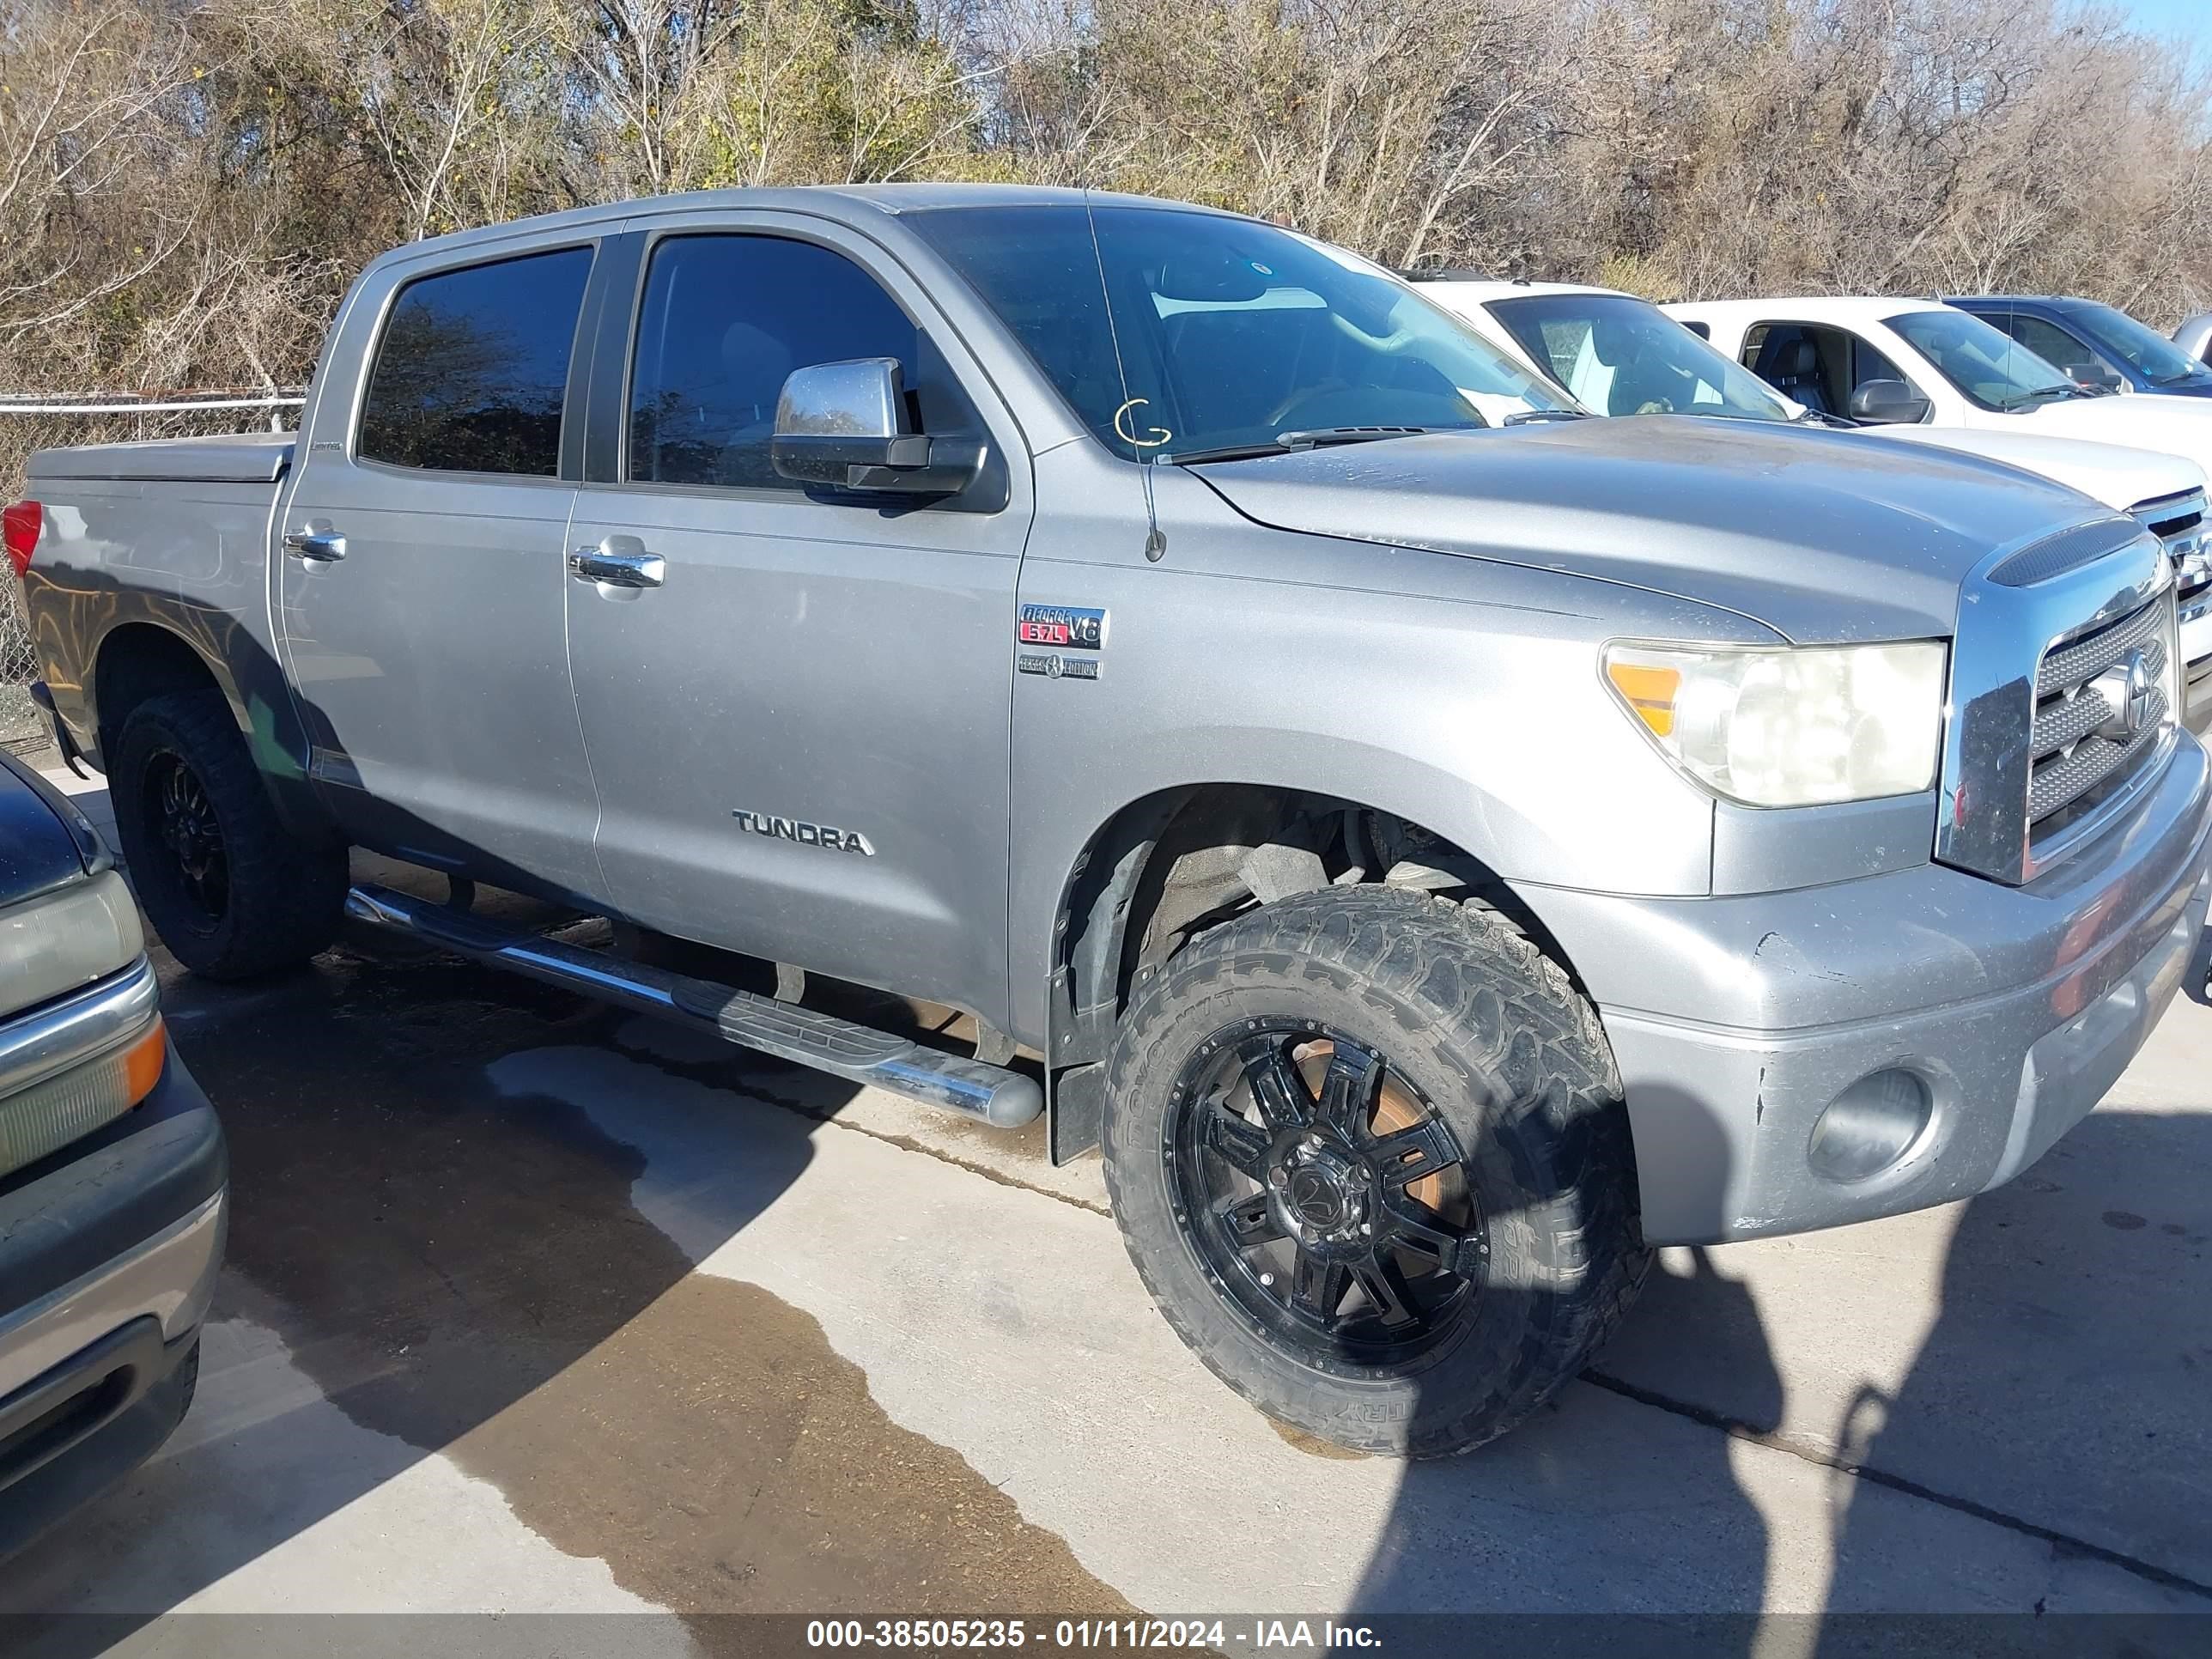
725	318
2054	345
1172	332
470	374
2150	353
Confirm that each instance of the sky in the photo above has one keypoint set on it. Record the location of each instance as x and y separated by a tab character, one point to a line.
2191	18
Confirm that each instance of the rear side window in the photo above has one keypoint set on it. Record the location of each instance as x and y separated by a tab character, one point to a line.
725	319
471	372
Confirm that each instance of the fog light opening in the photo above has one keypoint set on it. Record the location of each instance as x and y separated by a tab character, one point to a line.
1871	1126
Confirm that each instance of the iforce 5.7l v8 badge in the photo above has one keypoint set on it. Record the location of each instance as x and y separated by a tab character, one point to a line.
1044	631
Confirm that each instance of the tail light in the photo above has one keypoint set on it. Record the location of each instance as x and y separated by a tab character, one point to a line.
19	527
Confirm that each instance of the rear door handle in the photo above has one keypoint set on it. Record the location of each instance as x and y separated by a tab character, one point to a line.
618	562
314	541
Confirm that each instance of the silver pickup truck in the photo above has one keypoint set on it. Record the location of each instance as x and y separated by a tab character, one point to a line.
1441	846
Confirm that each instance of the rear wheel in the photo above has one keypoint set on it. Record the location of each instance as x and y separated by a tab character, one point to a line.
1368	1153
232	892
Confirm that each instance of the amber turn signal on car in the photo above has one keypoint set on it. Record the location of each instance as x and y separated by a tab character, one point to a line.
142	1061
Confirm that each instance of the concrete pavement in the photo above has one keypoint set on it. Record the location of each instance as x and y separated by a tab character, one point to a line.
532	1306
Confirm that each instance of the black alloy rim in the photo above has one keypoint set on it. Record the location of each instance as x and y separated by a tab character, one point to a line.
1324	1194
180	817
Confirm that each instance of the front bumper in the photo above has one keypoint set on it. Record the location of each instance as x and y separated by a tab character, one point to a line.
1737	1021
108	1255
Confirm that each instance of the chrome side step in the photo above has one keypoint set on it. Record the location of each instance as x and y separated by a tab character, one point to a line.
991	1094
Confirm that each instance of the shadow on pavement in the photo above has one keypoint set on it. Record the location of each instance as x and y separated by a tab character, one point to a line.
428	1250
2065	1383
2062	1392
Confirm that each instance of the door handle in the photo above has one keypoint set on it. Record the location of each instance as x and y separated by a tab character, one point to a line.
314	541
618	567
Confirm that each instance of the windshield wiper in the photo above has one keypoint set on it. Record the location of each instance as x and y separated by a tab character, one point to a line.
1531	417
1283	443
1315	437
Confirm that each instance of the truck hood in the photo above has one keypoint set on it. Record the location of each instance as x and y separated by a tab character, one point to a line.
1824	536
2119	476
2172	426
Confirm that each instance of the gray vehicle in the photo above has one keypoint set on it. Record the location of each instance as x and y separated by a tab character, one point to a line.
1439	845
2195	336
112	1175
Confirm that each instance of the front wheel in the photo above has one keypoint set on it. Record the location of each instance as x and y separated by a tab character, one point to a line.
1367	1150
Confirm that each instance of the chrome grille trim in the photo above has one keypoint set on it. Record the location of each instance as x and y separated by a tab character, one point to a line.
2073	764
2068	665
2059	782
2008	719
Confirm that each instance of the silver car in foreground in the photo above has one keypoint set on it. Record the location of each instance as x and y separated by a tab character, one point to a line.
113	1175
1439	845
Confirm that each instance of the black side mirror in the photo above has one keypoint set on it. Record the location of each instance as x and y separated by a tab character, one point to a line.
2098	374
1892	403
845	426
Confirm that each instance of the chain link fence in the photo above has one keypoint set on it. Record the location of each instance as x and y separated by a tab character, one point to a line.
28	423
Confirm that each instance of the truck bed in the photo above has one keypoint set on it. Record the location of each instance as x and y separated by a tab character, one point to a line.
232	458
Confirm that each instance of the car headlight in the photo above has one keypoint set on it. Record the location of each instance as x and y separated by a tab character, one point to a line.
1789	726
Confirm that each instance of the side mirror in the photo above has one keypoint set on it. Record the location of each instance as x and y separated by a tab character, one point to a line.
2100	374
1892	403
844	426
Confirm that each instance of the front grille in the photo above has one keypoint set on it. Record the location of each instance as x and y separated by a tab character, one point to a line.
2178	521
2078	757
2060	687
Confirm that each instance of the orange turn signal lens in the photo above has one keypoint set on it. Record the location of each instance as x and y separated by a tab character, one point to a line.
141	1065
1650	691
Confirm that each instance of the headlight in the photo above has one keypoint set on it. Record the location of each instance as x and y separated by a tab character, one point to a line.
1791	726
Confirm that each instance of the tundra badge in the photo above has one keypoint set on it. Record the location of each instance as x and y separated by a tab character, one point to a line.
805	833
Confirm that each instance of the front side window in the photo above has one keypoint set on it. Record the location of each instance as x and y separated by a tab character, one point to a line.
1815	366
1625	356
472	370
724	320
2150	353
1988	367
1170	332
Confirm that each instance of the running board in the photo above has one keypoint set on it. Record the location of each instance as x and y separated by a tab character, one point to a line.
990	1094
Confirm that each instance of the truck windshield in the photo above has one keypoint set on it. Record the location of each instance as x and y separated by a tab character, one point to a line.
1171	332
1621	355
1988	366
2157	358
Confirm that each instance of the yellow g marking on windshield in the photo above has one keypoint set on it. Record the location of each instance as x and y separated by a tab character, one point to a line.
1131	437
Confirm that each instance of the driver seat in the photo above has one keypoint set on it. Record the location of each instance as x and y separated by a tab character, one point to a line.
1796	373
